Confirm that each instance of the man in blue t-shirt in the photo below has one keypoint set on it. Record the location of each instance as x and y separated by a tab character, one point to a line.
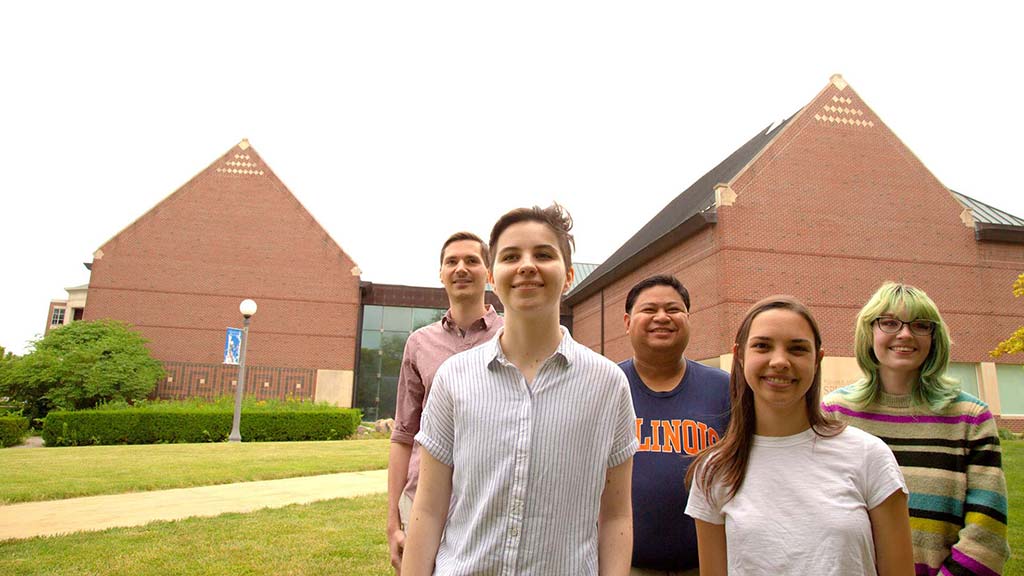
681	407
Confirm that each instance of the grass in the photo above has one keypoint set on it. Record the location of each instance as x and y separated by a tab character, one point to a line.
335	537
54	473
1013	466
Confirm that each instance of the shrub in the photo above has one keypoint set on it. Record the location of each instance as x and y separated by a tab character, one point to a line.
79	366
155	424
12	430
1005	434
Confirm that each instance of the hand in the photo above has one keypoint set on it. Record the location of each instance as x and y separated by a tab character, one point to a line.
396	545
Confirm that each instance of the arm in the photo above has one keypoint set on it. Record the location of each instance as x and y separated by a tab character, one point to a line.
711	549
615	521
890	528
398	472
409	410
429	514
982	546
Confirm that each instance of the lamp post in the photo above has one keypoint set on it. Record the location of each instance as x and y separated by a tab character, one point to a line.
247	308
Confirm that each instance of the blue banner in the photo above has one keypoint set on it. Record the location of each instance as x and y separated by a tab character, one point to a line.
232	345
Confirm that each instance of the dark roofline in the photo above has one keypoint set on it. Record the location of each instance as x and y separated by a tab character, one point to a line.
690	212
998	233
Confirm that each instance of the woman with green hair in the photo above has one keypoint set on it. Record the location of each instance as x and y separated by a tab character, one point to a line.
944	439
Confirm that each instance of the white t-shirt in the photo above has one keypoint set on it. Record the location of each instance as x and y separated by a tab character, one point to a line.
803	506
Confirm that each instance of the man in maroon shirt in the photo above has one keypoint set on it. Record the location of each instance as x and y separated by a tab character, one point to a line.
468	322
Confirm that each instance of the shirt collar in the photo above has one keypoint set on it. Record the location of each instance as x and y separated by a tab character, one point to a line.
484	322
566	350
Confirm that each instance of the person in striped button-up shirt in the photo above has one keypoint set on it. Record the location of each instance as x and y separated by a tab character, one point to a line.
527	441
944	439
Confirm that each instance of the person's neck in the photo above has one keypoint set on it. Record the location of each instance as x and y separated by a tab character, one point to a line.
660	372
466	312
781	423
528	341
897	382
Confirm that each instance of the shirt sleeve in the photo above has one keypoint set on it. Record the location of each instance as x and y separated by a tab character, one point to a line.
409	404
698	506
624	441
437	426
882	473
981	547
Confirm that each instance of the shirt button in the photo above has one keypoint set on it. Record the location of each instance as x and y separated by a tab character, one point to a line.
514	531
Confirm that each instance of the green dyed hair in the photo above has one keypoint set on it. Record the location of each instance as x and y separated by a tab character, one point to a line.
934	388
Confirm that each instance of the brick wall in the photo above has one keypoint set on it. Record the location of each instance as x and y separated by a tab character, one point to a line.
234	231
827	212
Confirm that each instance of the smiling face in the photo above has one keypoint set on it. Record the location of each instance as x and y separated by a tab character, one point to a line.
529	272
900	353
659	322
463	271
780	362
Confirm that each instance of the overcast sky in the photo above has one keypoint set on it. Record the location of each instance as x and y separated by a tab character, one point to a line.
396	123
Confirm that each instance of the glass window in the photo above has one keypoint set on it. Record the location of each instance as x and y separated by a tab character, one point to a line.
371	339
967	374
367	394
371	317
58	317
425	316
392	347
388	396
1011	388
398	319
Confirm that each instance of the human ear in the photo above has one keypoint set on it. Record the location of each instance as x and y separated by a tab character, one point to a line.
569	275
625	320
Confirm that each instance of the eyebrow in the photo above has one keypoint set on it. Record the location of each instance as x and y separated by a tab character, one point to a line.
535	247
793	341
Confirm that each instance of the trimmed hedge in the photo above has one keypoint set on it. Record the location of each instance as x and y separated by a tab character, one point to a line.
12	430
154	426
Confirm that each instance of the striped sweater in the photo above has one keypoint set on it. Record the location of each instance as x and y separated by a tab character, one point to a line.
953	467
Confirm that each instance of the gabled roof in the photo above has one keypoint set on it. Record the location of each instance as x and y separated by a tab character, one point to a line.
990	223
240	162
688	213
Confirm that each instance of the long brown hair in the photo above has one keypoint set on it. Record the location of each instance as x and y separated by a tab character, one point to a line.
727	460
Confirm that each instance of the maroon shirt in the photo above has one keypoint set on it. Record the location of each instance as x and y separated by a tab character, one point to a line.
425	351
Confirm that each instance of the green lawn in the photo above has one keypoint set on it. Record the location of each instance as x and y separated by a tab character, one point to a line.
30	474
335	537
1013	466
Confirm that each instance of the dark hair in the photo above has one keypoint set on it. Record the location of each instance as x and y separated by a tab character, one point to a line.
727	460
484	252
656	280
554	216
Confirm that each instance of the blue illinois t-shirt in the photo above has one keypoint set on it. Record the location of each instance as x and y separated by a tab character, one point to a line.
671	427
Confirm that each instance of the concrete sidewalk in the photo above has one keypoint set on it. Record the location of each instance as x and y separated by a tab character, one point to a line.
134	509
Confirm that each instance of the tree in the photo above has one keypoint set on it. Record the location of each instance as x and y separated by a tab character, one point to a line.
79	366
1015	343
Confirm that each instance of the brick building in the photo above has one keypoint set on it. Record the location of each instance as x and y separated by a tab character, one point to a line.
825	206
234	231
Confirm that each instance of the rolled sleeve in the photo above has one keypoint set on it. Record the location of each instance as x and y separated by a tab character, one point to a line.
409	404
437	426
624	441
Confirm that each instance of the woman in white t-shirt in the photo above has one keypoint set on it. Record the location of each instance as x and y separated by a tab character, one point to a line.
787	490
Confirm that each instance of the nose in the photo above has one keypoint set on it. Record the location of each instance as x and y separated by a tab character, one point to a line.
526	264
460	266
779	359
905	332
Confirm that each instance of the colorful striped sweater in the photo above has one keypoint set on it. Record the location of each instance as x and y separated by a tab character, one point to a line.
952	463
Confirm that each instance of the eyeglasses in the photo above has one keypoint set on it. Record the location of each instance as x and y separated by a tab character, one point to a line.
891	325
